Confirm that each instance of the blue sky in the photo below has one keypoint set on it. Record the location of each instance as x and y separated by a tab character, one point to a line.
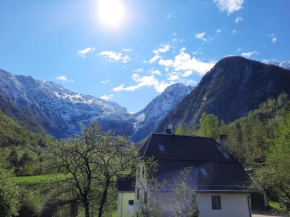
155	43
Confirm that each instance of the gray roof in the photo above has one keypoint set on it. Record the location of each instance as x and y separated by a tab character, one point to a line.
223	174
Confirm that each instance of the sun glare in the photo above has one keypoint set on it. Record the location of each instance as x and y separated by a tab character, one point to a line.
110	11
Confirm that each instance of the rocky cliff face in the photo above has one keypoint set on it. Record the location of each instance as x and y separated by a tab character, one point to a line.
232	88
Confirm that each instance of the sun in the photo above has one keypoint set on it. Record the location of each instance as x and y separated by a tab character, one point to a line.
110	11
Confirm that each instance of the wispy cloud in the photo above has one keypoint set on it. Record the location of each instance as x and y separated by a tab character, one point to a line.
249	54
218	31
234	31
239	19
85	51
106	97
112	56
274	39
64	78
156	72
139	70
184	62
153	59
200	36
229	6
106	81
163	49
149	81
127	50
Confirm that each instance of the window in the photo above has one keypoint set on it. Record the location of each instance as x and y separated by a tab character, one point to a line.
138	171
131	206
143	171
138	194
216	202
161	148
203	171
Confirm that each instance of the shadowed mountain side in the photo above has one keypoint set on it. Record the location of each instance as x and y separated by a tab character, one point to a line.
232	88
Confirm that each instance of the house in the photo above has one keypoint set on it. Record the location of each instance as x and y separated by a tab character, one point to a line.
219	179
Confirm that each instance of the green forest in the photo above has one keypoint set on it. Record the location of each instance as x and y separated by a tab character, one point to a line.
260	141
37	172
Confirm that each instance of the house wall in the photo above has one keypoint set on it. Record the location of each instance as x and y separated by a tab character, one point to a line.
123	204
232	205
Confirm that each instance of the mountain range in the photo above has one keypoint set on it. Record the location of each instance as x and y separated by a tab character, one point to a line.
47	107
232	88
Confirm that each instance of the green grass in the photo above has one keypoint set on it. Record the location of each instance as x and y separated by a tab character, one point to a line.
39	179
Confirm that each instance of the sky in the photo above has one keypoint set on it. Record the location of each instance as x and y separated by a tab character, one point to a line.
129	51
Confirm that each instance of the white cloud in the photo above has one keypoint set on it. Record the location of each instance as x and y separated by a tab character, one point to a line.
139	70
234	31
201	36
145	61
218	31
248	54
85	51
156	72
239	19
106	97
127	50
163	49
153	59
106	81
149	81
64	78
229	5
184	62
239	49
114	56
274	39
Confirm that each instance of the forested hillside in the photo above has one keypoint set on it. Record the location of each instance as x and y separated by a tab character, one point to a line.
20	148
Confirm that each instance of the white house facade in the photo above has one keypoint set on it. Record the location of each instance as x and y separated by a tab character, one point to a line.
220	181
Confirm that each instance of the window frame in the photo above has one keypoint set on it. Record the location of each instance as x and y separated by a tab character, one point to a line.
215	206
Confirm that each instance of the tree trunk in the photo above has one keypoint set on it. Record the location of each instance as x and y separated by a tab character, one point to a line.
87	208
104	198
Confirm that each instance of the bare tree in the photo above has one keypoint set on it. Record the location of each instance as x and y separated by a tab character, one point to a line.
149	186
91	162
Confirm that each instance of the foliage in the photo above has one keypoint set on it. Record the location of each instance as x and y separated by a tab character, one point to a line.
183	202
275	174
9	194
93	160
21	147
209	126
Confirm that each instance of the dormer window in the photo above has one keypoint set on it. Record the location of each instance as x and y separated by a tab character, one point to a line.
161	148
203	171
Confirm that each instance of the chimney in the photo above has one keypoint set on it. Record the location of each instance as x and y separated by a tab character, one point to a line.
224	145
169	129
